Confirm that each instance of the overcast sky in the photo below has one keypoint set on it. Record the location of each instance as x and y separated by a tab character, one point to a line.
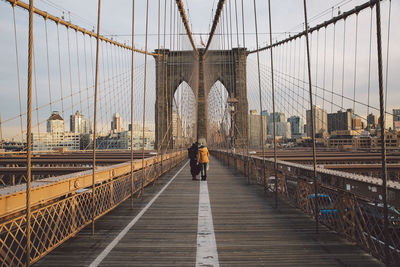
287	17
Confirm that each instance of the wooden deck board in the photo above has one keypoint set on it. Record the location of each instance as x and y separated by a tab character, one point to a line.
248	230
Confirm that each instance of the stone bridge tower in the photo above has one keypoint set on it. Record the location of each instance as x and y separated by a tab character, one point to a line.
201	72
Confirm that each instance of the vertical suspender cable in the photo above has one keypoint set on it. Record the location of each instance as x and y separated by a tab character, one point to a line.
244	39
343	60
36	90
158	76
59	68
79	72
170	71
132	76
233	84
273	104
387	55
316	67
324	78
355	66
237	26
312	119
383	139
333	64
95	114
18	77
86	76
144	95
70	71
164	87
369	62
28	138
48	65
259	92
248	138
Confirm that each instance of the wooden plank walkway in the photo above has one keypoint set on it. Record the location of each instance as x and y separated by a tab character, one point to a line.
248	230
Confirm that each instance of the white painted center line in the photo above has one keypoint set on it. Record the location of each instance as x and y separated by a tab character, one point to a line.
118	238
207	254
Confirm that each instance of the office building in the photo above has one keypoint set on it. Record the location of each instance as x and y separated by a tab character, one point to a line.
340	121
321	121
255	129
116	123
55	123
79	124
282	129
296	126
372	121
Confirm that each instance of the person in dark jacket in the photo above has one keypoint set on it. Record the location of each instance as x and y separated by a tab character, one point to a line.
192	152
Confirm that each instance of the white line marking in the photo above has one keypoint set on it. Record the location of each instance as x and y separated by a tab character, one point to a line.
118	238
207	254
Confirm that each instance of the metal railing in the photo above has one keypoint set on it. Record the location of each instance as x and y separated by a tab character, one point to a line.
59	219
348	210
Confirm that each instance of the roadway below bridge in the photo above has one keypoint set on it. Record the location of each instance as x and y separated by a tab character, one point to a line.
175	218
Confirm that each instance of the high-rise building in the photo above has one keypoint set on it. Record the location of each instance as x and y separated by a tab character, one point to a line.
396	119
340	121
79	124
296	125
372	121
282	129
321	121
255	129
356	124
55	123
279	117
116	123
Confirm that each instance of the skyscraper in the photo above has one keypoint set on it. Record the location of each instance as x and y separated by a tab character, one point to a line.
255	129
340	121
321	121
296	125
55	123
116	123
79	124
372	121
279	117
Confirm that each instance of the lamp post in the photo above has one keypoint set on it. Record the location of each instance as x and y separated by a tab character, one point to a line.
232	102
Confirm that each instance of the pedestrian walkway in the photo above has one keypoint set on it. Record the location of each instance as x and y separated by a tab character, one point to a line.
236	226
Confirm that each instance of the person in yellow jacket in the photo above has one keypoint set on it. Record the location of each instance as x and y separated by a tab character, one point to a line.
202	158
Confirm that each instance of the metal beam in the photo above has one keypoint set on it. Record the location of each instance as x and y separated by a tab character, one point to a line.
67	24
185	22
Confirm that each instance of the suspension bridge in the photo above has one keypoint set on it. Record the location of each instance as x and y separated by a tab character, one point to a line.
297	104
